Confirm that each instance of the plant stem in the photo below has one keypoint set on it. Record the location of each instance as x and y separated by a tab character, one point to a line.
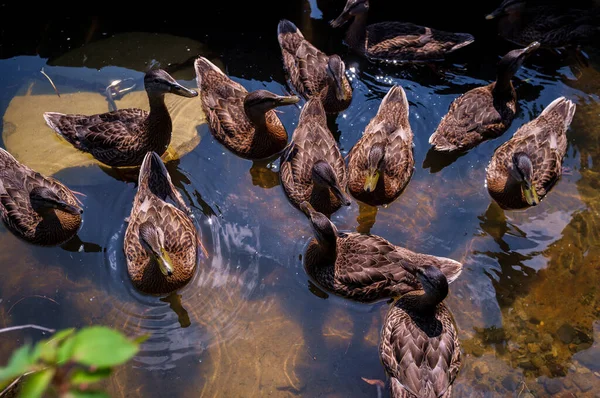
11	328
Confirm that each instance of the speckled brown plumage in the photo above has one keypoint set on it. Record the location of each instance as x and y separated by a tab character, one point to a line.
16	183
180	235
396	41
544	140
306	67
391	129
420	353
123	137
223	104
311	141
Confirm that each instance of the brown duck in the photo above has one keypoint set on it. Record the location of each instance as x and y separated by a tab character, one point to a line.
524	169
483	112
161	241
363	268
396	41
311	72
36	208
381	163
312	167
419	345
245	123
123	137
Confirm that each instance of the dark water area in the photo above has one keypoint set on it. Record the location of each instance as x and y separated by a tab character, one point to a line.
250	323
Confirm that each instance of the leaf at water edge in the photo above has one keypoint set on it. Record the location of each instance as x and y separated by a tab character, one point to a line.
19	363
83	376
102	347
37	383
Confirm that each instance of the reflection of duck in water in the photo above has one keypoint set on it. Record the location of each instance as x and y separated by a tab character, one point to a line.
483	112
161	241
524	169
364	268
396	41
36	208
419	344
243	122
123	137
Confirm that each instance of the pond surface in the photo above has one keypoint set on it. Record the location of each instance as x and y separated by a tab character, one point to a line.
250	324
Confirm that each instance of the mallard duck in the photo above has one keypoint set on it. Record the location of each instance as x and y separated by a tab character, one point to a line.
361	267
36	208
312	167
419	345
161	242
245	123
311	72
396	41
484	112
524	169
381	163
123	137
552	25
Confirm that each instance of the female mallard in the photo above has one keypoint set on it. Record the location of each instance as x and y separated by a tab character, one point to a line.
483	112
396	41
161	242
311	72
554	26
362	267
123	137
245	123
312	167
419	344
36	208
381	162
524	169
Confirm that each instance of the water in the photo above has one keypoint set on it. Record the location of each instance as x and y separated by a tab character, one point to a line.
250	323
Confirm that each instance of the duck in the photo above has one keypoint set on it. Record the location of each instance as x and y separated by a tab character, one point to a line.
312	167
36	208
524	169
311	72
392	42
161	243
363	267
419	345
381	162
553	26
122	138
244	122
484	112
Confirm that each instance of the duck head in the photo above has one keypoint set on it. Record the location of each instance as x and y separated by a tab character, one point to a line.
336	71
153	240
512	61
507	7
159	82
374	166
324	177
262	101
325	231
522	172
352	9
44	200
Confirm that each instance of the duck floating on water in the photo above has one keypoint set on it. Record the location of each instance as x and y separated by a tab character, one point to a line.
381	163
396	41
161	242
524	169
36	208
123	137
311	72
483	112
245	123
364	268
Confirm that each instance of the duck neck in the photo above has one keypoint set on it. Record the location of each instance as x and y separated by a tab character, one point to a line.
257	117
320	194
159	123
504	86
424	301
357	32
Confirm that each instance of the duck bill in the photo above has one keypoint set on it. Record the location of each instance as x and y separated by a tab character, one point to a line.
531	48
531	195
164	262
339	88
494	14
371	180
182	91
282	100
68	208
340	195
339	21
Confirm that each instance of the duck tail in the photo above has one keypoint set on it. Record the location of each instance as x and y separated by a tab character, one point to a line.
562	108
450	268
289	36
203	66
63	125
394	109
313	108
462	40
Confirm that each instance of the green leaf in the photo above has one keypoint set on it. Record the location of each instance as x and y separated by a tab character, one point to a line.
59	336
102	347
65	351
37	383
19	363
86	394
83	376
47	349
